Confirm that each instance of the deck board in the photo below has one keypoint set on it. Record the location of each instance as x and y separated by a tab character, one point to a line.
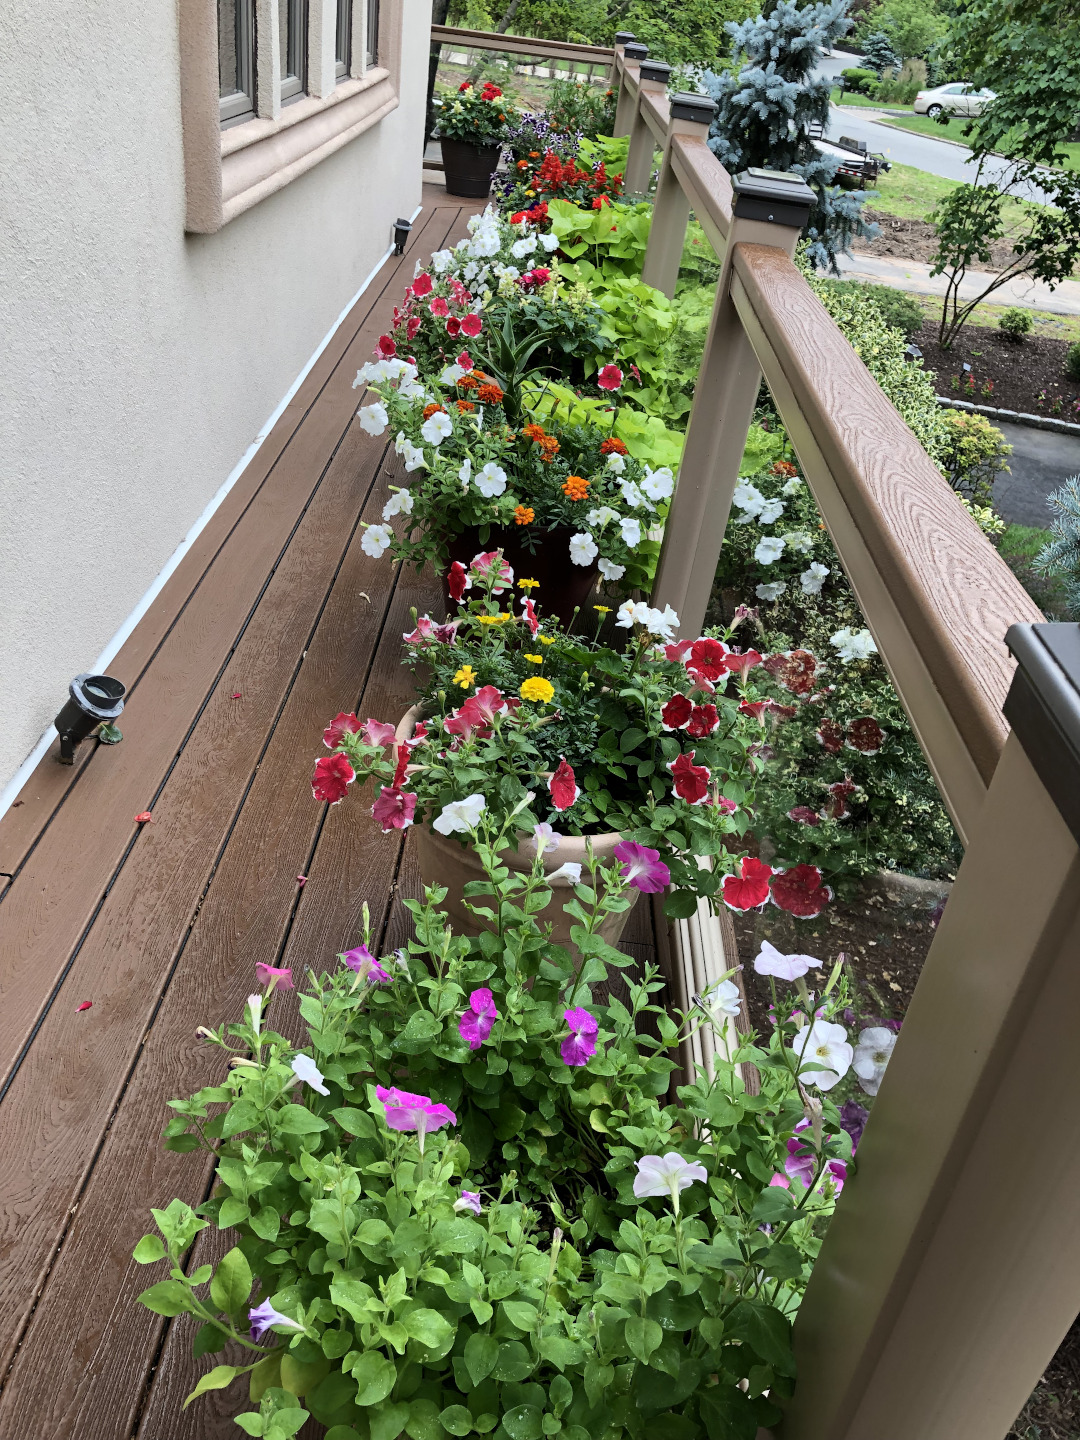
161	927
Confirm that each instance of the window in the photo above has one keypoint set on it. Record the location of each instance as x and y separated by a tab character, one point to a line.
292	38
343	42
372	43
236	60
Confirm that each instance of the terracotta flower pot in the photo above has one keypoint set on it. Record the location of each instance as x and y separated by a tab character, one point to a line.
444	860
562	584
468	168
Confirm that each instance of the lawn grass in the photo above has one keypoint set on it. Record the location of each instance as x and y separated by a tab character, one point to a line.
1022	542
909	193
845	98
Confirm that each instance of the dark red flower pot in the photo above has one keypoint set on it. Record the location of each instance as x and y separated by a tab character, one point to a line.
562	585
468	168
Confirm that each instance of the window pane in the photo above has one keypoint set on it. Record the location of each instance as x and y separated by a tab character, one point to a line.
236	59
228	58
343	45
372	31
292	40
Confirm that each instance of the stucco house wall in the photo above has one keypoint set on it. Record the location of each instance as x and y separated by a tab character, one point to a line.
138	362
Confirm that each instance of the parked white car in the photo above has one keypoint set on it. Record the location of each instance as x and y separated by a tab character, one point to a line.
958	99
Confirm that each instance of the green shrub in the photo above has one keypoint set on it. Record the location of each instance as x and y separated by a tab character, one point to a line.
895	307
974	454
1072	361
858	81
1015	323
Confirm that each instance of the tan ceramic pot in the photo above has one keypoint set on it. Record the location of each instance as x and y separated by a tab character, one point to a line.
444	860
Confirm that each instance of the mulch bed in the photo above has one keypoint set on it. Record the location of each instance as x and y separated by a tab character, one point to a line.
1017	372
915	240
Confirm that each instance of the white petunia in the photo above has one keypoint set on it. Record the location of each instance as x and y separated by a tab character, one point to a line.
400	503
768	549
549	242
792	487
373	418
601	516
662	623
583	549
609	570
441	260
631	612
813	579
570	872
460	816
720	1002
658	484
491	480
749	499
525	246
872	1054
305	1069
413	456
471	270
254	1007
376	540
631	494
772	591
616	462
770	961
801	541
452	374
770	511
464	474
823	1044
666	1175
436	427
853	644
486	244
631	531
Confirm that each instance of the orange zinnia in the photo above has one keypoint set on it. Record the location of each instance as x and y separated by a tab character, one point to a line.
534	432
576	487
489	394
523	515
611	446
432	409
464	406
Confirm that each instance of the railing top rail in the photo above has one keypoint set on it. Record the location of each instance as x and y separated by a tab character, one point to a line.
522	45
955	593
706	184
656	112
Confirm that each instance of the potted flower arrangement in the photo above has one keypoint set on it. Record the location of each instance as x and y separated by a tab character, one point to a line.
646	754
473	125
466	1203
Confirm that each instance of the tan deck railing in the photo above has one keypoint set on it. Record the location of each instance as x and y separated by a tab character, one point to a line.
952	1267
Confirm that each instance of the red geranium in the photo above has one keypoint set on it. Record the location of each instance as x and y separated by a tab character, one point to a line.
800	892
342	724
748	890
708	659
333	776
703	721
676	713
691	781
563	786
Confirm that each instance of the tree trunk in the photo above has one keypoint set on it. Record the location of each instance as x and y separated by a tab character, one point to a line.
500	29
438	17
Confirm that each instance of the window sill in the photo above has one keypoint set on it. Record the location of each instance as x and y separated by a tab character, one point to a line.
260	157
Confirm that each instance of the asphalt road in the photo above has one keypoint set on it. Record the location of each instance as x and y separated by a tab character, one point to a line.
1040	462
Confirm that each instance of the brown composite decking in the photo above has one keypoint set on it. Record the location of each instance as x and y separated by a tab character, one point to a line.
160	926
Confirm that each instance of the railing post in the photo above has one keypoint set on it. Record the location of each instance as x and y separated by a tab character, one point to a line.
671	208
626	102
951	1270
770	209
652	79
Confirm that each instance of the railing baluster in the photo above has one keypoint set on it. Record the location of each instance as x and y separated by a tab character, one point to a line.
690	115
626	102
652	79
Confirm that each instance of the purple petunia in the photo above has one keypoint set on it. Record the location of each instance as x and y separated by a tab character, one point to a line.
262	1317
802	1162
642	867
405	1111
474	1027
580	1045
366	966
469	1200
853	1118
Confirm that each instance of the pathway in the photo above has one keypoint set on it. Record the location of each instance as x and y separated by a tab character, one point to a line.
914	275
1040	462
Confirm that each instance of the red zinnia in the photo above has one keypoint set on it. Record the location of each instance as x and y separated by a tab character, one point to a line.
800	892
563	786
609	378
703	721
421	286
342	724
748	890
333	776
676	713
708	659
691	781
386	349
471	325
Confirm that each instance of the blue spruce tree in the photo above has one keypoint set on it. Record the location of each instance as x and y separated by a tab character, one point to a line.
768	107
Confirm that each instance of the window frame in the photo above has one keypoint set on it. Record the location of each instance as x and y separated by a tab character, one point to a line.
241	104
343	34
293	83
371	34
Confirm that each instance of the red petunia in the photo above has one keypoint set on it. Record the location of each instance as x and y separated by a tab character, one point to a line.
466	726
804	815
756	708
795	670
402	765
739	664
464	361
531	618
457	581
676	713
484	705
342	724
707	659
412	329
453	327
394	809
379	732
691	781
385	349
563	786
749	890
421	286
830	736
681	648
333	776
836	807
703	722
439	308
800	892
610	377
865	735
471	325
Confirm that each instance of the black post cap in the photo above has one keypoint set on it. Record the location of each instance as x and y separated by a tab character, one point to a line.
1043	708
655	70
687	106
623	37
636	51
775	195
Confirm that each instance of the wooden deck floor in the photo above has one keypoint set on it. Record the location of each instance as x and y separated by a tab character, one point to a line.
274	621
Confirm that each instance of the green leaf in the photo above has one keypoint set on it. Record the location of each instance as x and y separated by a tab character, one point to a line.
766	1331
524	1422
520	1313
168	1297
642	1337
559	1351
216	1379
456	1420
513	1364
298	1376
298	1120
148	1250
355	1122
343	1432
481	1355
680	904
266	1223
429	1327
233	1211
388	1422
209	1339
375	1377
240	1117
231	1285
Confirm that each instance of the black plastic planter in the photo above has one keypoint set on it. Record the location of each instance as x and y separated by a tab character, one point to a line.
468	168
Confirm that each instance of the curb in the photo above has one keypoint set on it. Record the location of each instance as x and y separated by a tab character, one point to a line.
942	139
1012	417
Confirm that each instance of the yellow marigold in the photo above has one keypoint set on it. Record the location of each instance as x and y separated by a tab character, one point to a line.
576	487
604	609
546	639
535	659
465	677
494	619
537	688
528	584
524	515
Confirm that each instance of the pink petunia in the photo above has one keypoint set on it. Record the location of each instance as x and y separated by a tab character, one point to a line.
464	361
642	867
485	705
279	978
580	1045
691	781
678	651
756	708
405	1111
749	890
366	966
471	325
439	308
385	349
394	809
610	377
563	786
676	712
421	286
476	1023
333	776
491	567
804	815
342	724
378	732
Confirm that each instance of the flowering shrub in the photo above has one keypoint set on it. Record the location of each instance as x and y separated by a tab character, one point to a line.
465	1203
586	174
479	117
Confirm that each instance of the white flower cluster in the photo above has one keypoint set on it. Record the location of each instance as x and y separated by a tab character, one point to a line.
853	644
664	624
749	499
402	374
